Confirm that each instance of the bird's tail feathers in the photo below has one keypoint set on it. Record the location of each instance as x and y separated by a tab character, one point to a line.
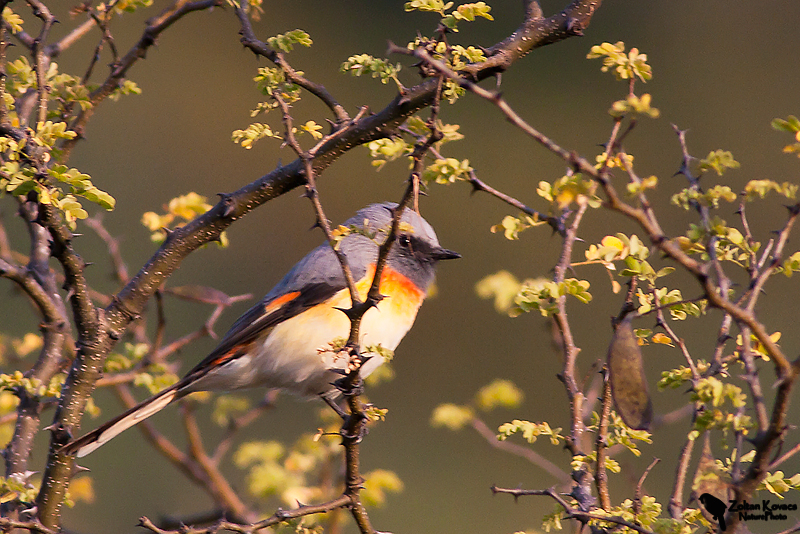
94	439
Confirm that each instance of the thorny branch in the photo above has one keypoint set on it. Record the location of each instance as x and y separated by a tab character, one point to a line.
572	512
119	70
710	275
261	48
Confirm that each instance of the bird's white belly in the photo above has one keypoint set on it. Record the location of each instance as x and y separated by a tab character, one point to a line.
296	354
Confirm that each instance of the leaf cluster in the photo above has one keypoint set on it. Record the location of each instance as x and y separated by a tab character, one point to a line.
179	210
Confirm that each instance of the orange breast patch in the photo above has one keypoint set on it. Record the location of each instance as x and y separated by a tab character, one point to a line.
401	291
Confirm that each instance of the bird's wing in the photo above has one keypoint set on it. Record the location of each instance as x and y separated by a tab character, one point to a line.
249	327
257	321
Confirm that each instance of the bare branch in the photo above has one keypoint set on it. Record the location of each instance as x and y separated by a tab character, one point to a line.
637	498
278	517
601	475
155	27
571	511
524	452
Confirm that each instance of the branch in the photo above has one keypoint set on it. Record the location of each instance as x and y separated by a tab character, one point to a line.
38	282
571	511
525	452
601	475
556	223
215	483
536	29
40	60
260	48
8	525
119	71
278	517
637	498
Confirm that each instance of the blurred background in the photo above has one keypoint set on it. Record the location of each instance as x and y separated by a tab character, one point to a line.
722	70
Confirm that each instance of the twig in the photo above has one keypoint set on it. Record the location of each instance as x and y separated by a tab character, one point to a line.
662	322
525	452
278	517
601	475
568	373
237	423
8	525
155	27
260	48
40	60
754	383
783	457
572	512
791	530
215	483
112	243
189	464
313	194
637	496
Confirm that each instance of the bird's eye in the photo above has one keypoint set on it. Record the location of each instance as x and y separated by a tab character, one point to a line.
404	240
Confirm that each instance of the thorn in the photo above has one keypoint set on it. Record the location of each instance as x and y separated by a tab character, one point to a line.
30	511
574	27
372	302
228	204
80	469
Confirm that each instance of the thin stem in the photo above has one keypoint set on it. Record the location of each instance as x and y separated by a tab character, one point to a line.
601	475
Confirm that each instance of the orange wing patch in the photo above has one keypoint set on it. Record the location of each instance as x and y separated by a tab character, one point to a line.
275	304
233	353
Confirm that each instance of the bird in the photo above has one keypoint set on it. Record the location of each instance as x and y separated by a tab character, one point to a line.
284	341
715	507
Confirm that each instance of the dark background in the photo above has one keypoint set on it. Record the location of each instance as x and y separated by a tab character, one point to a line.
722	70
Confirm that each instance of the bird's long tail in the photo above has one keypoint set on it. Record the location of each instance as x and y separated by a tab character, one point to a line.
94	439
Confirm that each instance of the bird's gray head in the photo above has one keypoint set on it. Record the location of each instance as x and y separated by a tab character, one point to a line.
416	249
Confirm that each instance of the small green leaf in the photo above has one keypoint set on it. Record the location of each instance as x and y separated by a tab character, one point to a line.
451	416
502	393
719	161
285	42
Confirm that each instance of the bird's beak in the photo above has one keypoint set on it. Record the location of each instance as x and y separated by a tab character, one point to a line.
444	254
